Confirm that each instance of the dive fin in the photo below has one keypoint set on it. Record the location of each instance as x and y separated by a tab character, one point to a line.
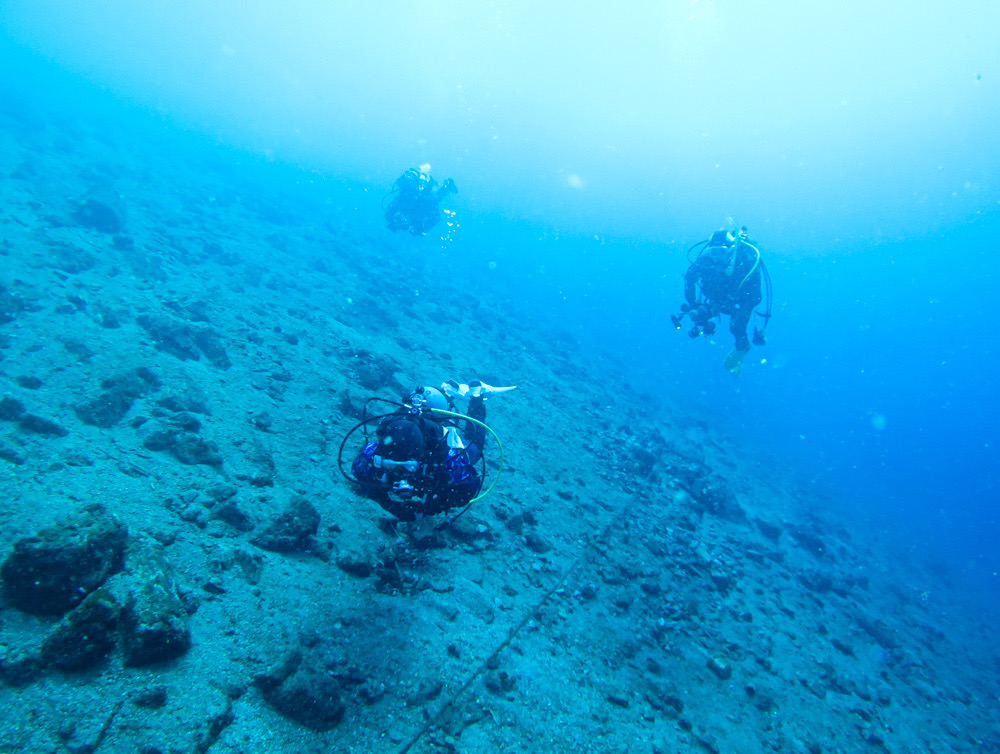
734	361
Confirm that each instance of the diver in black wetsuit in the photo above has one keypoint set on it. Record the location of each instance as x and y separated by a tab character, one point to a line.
424	456
414	206
726	278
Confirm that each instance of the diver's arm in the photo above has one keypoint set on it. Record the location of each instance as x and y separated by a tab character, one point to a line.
691	278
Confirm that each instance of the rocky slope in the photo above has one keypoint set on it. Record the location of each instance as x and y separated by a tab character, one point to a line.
184	569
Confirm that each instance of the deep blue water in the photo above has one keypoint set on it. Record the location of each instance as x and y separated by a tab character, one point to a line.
880	380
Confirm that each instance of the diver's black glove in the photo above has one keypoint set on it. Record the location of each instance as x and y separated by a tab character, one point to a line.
759	337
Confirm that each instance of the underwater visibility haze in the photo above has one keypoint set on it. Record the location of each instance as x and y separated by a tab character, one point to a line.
592	145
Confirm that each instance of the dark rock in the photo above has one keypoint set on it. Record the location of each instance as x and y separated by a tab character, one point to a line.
79	349
29	382
177	434
536	543
720	668
211	345
11	306
184	422
762	700
769	530
816	581
221	492
137	382
354	564
105	411
663	698
251	563
293	530
72	259
85	636
878	630
500	682
155	436
468	530
97	215
714	496
259	467
373	372
192	450
172	337
105	317
10	455
152	697
11	409
229	513
300	692
19	669
154	620
652	588
426	692
643	460
111	406
51	572
810	542
842	647
190	400
723	581
216	724
515	523
263	421
707	743
425	540
42	426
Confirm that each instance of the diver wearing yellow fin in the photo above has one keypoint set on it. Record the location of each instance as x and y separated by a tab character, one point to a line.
726	278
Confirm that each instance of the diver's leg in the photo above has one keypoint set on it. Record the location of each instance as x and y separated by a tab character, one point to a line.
738	322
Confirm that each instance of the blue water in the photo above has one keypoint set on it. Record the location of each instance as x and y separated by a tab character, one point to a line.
592	149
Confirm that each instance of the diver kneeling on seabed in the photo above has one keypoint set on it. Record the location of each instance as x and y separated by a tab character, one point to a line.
426	456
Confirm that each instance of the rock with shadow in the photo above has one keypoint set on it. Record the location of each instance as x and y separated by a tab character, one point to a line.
178	435
293	531
118	394
154	620
303	691
85	636
51	572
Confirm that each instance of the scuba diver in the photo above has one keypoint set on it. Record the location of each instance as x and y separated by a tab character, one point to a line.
725	278
424	456
415	199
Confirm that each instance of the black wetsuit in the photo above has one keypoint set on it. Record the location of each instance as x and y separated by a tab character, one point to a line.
735	294
415	206
447	477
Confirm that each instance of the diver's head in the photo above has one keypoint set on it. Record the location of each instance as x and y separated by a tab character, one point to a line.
743	233
401	441
426	397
